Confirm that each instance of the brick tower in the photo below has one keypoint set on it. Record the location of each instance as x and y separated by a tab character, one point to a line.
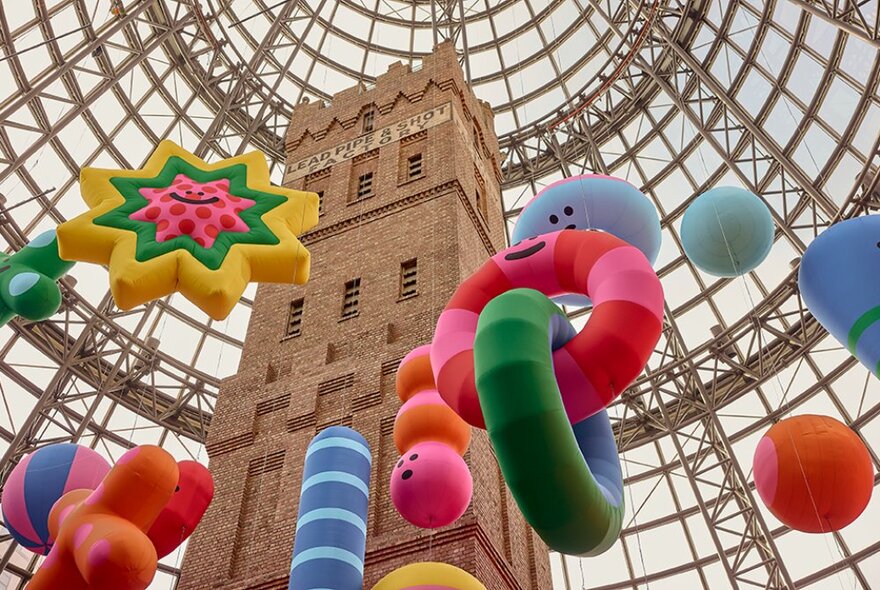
408	173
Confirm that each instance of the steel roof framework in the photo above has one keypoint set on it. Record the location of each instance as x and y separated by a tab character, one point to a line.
661	98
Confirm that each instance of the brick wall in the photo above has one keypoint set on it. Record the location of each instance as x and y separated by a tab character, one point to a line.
341	371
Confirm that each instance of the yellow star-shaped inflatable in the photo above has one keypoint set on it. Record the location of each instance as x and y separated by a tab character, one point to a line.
181	224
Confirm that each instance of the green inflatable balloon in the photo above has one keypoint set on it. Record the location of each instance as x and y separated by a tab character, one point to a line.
565	478
28	286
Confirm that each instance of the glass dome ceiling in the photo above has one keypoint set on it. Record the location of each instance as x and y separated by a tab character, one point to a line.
780	97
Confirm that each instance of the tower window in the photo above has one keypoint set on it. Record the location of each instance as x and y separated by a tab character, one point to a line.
408	278
414	166
351	298
294	317
365	185
369	120
481	202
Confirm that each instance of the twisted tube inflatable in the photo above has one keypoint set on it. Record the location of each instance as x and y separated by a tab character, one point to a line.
566	480
596	364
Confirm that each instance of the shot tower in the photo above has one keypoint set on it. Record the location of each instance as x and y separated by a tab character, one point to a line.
408	173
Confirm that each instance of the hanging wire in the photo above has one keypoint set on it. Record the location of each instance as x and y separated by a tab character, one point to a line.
28	200
42	43
360	216
636	524
782	392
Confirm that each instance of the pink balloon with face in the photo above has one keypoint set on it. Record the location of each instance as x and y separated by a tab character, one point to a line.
431	485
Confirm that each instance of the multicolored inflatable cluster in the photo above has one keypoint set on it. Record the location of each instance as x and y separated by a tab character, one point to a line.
542	401
103	528
503	358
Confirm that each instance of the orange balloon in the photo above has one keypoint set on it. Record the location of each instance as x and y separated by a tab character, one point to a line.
101	541
813	473
415	374
426	417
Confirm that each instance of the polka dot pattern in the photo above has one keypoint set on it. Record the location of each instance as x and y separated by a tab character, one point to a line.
190	208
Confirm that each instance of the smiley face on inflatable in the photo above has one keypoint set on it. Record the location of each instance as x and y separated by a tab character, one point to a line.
592	201
182	224
597	364
199	210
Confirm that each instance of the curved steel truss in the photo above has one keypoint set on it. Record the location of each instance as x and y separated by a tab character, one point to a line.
676	96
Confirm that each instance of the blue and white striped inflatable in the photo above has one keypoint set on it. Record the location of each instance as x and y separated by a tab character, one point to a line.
331	528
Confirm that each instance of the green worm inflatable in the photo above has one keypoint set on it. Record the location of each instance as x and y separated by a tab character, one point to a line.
566	479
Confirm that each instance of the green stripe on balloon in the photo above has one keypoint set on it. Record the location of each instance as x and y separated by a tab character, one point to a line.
865	321
527	424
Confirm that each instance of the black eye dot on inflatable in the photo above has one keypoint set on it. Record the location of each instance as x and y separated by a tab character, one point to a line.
201	194
571	226
414	456
177	489
406	474
400	463
878	244
568	210
554	219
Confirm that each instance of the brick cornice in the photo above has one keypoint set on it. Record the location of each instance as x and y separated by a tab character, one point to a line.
463	532
393	207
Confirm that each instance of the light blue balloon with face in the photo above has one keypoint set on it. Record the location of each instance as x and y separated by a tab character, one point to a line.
592	201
